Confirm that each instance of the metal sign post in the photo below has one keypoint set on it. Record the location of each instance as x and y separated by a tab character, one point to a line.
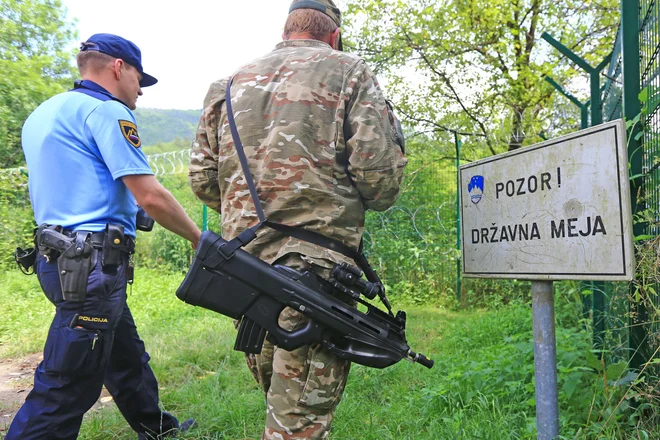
550	211
545	360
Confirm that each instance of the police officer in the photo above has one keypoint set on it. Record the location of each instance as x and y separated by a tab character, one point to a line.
87	172
323	147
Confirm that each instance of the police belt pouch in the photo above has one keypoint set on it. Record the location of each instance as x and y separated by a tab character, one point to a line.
74	262
143	221
112	245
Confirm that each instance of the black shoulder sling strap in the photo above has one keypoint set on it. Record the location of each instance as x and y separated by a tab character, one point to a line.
302	234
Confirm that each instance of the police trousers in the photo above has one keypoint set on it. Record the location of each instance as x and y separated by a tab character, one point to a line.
90	344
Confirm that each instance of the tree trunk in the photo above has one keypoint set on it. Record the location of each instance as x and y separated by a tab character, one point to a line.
517	135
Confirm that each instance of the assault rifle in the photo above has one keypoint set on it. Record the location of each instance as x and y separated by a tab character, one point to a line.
230	281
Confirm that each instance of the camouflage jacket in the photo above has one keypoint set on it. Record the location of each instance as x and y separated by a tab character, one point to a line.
321	145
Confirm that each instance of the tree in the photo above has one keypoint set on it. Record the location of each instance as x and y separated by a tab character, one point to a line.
477	66
34	62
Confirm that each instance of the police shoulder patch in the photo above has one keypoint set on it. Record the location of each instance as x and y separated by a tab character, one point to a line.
129	130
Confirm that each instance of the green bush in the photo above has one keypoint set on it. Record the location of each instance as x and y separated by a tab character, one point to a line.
161	247
16	217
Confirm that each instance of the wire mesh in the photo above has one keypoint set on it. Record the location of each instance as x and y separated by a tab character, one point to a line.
649	45
413	244
615	307
650	69
617	312
612	98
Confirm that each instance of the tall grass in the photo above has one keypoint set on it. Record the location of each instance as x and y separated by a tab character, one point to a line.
481	387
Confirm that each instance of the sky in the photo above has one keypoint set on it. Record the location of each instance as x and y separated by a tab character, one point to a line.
186	45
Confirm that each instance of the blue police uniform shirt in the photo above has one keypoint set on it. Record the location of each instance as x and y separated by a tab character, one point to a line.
77	147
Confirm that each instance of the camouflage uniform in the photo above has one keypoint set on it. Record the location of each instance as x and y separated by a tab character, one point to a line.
322	149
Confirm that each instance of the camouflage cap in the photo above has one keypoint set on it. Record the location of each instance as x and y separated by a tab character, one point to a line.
326	6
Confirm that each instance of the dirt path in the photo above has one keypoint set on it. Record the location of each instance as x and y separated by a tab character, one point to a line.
16	378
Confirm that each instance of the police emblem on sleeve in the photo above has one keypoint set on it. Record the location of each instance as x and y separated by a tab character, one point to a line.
129	130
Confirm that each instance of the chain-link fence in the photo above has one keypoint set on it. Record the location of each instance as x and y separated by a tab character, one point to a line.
624	315
613	89
629	311
413	244
649	47
649	43
613	334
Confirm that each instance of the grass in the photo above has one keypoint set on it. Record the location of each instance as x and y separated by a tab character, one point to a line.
480	388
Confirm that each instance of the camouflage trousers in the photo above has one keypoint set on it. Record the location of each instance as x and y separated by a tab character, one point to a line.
303	387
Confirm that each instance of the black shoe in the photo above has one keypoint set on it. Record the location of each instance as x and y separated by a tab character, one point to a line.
185	426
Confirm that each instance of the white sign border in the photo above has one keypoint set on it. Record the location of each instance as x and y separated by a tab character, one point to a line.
625	210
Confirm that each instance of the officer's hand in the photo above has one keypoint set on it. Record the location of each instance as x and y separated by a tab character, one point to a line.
195	242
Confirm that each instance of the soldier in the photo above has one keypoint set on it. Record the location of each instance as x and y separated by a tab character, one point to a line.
87	171
323	147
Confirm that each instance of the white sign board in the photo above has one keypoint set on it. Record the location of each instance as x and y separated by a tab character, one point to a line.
552	211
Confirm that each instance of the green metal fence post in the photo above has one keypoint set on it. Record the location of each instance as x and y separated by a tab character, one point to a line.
584	107
594	76
584	115
599	299
596	101
632	108
457	143
596	118
205	218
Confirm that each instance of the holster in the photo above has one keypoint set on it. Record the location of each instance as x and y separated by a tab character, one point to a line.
143	221
112	245
25	258
74	266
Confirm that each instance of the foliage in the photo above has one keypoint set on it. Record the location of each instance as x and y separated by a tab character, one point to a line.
34	64
16	218
475	66
159	126
177	144
481	386
161	247
413	244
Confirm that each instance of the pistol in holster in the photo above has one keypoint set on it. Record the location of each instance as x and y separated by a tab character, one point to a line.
74	254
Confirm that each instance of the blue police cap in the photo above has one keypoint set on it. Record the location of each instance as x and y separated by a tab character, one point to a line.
119	47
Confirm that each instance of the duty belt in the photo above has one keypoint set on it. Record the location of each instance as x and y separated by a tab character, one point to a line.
97	238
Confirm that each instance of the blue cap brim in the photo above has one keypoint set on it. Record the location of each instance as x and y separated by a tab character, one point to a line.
147	80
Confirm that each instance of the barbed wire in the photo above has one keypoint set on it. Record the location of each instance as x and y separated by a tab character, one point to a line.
162	164
386	218
172	162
